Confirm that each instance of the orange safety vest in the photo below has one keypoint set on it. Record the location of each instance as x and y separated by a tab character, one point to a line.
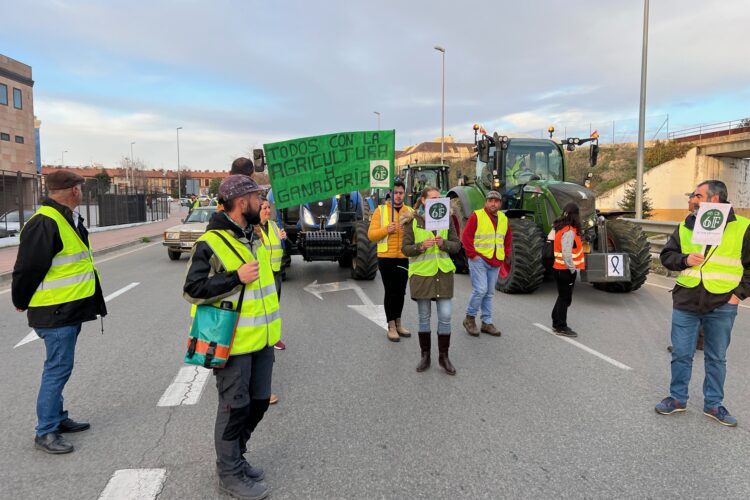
578	259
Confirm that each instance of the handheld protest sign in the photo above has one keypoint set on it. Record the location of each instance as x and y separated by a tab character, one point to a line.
314	168
380	174
437	214
710	223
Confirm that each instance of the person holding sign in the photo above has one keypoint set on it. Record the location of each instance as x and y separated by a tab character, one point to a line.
225	261
568	260
712	251
430	277
485	238
392	263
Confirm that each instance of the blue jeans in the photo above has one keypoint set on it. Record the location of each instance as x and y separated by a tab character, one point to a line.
424	307
717	329
483	280
60	343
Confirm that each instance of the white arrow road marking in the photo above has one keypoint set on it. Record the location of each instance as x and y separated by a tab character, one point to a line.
32	336
187	387
338	286
585	348
134	484
374	313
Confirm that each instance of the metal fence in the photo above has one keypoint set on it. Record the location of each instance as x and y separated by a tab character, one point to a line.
22	193
709	130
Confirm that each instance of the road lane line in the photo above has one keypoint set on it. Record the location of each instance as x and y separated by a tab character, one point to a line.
671	287
4	291
585	348
186	388
32	336
134	484
117	256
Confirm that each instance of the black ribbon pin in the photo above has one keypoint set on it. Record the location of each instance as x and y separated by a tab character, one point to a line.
615	261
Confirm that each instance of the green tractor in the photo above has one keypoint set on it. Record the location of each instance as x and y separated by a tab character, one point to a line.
530	174
416	177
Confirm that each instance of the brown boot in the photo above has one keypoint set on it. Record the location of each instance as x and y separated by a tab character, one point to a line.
490	329
392	332
425	343
444	342
471	326
403	332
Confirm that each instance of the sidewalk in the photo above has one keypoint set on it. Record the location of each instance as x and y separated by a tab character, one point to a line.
105	241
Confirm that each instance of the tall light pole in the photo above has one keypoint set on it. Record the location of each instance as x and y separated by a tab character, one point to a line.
442	109
642	119
63	157
179	185
378	115
131	162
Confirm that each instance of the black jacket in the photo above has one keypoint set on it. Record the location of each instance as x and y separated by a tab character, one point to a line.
699	299
40	242
206	281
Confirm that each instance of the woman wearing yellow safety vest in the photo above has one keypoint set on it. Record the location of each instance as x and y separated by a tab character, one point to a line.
273	238
568	260
224	260
430	278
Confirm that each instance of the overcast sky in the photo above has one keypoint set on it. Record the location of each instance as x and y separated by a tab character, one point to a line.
237	74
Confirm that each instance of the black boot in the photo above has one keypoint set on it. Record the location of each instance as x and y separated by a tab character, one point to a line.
424	345
444	342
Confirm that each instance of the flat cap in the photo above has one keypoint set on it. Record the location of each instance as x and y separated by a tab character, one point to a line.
494	195
63	179
238	185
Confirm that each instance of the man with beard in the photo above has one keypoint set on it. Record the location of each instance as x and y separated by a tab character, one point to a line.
713	280
228	266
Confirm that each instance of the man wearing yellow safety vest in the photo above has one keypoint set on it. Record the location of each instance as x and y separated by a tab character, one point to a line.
713	280
486	240
224	260
392	263
54	278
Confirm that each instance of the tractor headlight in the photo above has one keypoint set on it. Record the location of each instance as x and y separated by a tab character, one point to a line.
307	216
334	218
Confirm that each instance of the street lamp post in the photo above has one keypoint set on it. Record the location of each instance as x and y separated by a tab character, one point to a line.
179	185
378	115
131	164
642	119
442	109
63	157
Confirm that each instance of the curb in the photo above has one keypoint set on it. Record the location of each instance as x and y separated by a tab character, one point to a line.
6	277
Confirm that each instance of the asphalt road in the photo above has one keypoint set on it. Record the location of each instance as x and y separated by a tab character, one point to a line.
528	415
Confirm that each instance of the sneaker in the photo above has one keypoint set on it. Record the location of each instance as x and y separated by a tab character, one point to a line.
241	486
565	332
670	405
721	415
280	345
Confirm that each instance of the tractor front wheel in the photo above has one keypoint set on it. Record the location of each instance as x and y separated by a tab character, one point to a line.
522	271
365	258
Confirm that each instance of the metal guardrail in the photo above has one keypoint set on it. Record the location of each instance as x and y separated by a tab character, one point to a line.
662	229
712	129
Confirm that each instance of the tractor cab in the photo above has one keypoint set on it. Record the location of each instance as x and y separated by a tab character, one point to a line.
416	177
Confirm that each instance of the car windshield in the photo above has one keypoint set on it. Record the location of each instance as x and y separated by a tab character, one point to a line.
200	214
13	216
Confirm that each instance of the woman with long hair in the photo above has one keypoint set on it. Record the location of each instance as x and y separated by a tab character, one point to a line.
568	260
430	278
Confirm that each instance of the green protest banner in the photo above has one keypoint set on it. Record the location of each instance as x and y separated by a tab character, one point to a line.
315	168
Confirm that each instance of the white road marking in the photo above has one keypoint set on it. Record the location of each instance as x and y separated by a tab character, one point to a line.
117	256
374	313
32	336
186	388
671	287
134	484
585	348
319	289
4	291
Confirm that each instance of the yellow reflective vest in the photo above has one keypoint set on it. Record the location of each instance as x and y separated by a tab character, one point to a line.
72	275
259	325
272	242
722	270
488	240
433	259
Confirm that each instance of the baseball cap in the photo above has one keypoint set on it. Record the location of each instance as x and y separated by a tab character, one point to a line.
494	195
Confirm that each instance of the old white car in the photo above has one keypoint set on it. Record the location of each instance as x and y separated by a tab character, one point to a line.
180	239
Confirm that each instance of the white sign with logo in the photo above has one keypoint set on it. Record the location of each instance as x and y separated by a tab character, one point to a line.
380	173
615	265
437	214
710	223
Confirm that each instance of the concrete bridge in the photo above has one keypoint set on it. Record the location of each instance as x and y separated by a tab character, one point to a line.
725	157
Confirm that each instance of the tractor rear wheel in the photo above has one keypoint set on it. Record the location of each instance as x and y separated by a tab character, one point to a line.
459	222
523	270
365	258
625	237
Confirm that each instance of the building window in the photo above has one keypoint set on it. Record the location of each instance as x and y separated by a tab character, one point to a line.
19	139
4	136
3	94
17	101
